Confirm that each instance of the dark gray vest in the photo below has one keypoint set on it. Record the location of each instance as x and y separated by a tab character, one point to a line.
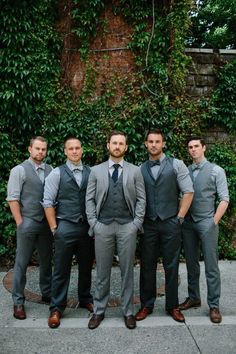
115	207
203	204
71	197
163	193
32	192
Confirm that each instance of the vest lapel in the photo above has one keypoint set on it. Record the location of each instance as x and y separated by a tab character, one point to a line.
149	171
34	170
70	173
162	166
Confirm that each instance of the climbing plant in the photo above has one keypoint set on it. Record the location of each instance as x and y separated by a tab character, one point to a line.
34	98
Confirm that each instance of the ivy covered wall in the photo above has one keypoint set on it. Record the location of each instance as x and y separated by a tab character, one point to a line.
57	80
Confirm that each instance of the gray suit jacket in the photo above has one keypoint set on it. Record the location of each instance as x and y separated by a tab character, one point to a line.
133	187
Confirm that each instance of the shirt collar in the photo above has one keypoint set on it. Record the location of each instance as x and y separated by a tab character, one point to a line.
111	163
35	165
163	156
198	166
73	167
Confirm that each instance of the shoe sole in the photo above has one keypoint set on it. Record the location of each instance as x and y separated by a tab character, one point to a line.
94	327
20	318
217	322
130	327
53	326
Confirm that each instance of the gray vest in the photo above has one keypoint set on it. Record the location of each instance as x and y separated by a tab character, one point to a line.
163	193
71	197
32	192
203	204
115	207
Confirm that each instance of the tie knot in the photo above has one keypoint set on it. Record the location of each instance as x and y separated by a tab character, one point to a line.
116	166
154	163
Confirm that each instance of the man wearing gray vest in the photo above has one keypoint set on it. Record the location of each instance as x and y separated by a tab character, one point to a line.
64	203
201	227
24	194
165	179
115	206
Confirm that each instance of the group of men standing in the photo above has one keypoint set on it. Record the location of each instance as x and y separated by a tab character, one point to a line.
103	209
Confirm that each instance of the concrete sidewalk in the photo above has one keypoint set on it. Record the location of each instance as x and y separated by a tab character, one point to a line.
158	333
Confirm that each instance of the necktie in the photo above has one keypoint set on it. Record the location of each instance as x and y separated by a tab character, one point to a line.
154	163
115	172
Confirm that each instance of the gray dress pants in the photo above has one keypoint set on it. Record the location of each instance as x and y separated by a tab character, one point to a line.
106	238
30	235
202	234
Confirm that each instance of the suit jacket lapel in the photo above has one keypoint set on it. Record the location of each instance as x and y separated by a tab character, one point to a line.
125	173
105	176
84	177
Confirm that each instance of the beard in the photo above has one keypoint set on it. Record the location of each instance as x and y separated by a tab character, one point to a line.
117	153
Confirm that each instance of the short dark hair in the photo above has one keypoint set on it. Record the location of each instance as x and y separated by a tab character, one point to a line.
70	137
40	138
117	132
155	131
195	137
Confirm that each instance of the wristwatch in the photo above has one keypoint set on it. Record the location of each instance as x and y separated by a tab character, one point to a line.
180	219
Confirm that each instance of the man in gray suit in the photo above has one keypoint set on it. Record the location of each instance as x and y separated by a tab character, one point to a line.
24	194
165	179
115	207
201	227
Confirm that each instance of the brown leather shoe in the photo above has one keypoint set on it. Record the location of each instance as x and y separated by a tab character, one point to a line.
130	321
88	306
19	312
176	315
143	313
54	319
215	315
95	321
188	303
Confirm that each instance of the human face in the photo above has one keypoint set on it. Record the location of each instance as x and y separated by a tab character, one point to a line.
196	150
38	151
155	145
117	147
73	151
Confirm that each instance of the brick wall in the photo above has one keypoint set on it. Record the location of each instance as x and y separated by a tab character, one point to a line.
202	70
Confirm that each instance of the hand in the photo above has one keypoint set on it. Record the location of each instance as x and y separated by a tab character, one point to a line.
180	219
53	230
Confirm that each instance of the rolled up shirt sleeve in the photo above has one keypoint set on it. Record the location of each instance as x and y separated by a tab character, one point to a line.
183	178
51	187
219	177
15	183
